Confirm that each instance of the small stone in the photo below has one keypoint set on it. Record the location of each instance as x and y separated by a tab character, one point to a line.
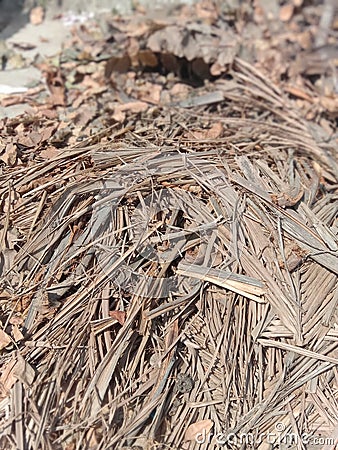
184	383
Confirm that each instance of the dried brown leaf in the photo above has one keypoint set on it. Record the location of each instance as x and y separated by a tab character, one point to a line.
120	316
7	378
202	427
286	12
5	339
10	155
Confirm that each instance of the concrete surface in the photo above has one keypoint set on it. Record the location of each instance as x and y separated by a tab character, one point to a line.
45	39
14	110
29	41
118	6
17	79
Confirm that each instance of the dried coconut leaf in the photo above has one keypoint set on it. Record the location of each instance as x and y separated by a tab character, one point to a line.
245	286
217	342
207	99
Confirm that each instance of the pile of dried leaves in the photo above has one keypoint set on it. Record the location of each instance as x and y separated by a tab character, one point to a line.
169	239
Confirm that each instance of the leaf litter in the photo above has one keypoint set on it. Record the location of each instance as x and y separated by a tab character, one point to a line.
169	235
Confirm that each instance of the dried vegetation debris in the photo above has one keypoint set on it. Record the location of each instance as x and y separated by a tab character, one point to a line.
169	258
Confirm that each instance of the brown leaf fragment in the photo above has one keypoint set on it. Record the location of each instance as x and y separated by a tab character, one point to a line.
5	339
47	113
16	333
118	115
135	107
7	378
83	116
202	427
293	261
24	371
47	132
16	320
210	133
330	104
120	316
215	131
179	90
10	155
151	93
138	30
12	100
55	84
284	200
49	153
286	12
31	139
217	69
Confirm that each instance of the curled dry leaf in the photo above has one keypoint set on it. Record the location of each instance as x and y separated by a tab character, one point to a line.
135	107
197	429
56	87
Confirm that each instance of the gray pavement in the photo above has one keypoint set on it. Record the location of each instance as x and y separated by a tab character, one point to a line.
26	42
